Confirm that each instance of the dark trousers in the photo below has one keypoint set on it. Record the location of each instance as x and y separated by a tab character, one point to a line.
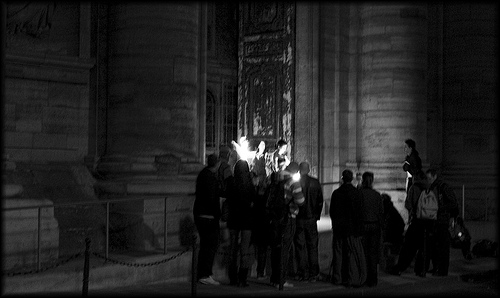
239	247
441	248
283	231
261	239
372	246
306	247
339	259
208	230
417	238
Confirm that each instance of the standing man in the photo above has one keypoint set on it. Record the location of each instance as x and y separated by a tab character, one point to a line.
283	204
306	235
348	258
206	212
412	164
418	231
447	211
372	214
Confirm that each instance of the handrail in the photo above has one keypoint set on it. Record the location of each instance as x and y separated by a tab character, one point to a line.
107	202
92	202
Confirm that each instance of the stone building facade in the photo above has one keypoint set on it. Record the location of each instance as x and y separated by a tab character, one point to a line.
125	100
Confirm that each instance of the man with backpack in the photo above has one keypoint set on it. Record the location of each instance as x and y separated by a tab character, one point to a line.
447	211
418	231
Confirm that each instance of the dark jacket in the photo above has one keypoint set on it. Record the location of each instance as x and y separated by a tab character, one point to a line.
447	202
311	188
240	204
394	224
207	195
345	211
412	198
373	209
414	163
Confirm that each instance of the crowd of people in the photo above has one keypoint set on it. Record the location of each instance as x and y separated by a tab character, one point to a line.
271	205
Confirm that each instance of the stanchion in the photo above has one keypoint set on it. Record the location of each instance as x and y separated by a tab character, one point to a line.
194	262
85	288
281	280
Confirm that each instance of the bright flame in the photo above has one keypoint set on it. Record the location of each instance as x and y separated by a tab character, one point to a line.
296	177
459	234
242	149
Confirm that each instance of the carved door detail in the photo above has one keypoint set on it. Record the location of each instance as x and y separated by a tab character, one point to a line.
266	70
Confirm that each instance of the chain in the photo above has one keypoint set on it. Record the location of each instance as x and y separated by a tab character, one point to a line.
141	265
44	269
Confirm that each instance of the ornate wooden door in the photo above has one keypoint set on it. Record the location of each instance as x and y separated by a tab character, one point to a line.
266	71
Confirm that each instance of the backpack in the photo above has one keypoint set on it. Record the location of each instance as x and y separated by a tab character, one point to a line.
427	206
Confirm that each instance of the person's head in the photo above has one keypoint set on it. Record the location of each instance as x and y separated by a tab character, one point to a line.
420	177
281	164
347	176
281	145
224	152
409	146
212	160
387	201
432	175
367	179
293	168
304	168
291	171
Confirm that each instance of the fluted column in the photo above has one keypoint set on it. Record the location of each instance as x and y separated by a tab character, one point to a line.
393	88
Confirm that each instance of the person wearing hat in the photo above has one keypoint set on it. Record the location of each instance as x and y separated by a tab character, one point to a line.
283	203
348	260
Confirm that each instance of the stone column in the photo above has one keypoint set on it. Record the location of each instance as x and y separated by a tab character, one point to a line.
393	90
392	104
153	81
156	96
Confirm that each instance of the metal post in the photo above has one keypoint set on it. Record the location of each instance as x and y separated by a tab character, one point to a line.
463	201
280	287
194	263
486	208
85	287
165	227
107	230
38	261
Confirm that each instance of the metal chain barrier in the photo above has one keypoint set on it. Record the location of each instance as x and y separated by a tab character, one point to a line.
141	265
44	269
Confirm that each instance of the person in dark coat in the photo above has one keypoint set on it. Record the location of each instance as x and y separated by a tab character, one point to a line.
393	225
345	214
372	214
283	204
306	237
412	164
447	212
206	212
418	231
240	223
